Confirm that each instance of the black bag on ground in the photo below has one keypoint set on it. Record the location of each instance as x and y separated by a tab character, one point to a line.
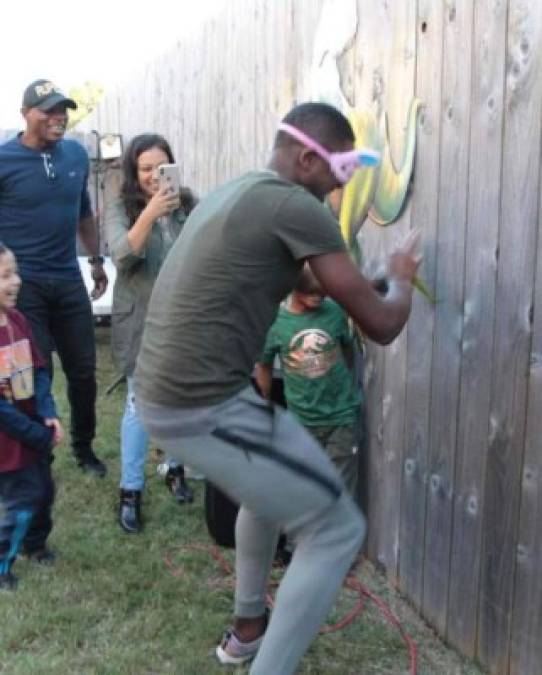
220	515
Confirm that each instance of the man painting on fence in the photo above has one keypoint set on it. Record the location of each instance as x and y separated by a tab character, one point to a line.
238	256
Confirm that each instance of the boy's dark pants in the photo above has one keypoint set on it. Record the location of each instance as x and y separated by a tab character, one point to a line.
60	315
341	445
26	500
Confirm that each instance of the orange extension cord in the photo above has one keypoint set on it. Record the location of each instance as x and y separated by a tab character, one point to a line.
350	582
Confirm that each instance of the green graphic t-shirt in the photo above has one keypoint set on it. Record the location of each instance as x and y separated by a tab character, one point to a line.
318	385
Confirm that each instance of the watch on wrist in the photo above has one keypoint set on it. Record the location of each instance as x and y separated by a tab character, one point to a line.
96	260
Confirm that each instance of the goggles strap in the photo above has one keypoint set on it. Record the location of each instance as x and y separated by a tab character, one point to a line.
306	140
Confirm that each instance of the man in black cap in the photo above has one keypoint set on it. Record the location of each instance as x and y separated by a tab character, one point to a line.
44	202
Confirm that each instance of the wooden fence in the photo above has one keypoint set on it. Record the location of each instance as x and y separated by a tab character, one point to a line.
454	463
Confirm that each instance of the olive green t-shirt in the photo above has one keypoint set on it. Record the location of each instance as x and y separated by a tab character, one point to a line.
318	385
219	289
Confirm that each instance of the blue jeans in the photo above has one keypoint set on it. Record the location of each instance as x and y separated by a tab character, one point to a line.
134	442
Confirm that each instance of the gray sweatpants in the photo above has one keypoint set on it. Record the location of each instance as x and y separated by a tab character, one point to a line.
260	456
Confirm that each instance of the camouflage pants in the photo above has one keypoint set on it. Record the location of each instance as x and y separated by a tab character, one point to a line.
341	445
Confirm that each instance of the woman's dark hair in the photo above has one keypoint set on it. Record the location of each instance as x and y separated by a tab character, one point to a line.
130	192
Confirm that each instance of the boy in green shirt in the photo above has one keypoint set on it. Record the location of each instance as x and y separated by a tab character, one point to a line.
313	340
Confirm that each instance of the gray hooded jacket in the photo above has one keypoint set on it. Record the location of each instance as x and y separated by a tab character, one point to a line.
136	275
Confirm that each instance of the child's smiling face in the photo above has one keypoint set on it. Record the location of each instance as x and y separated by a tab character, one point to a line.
10	281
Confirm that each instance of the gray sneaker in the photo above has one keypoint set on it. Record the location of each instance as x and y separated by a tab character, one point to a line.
231	651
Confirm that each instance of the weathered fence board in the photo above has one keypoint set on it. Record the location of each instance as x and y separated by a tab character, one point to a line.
306	14
191	148
512	338
399	91
526	646
206	137
263	130
369	91
477	342
245	74
424	214
454	460
454	151
513	329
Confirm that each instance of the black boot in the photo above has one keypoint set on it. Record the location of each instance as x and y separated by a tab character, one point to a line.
130	511
43	555
8	582
176	482
88	462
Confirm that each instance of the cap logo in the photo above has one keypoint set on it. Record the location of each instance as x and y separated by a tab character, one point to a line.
45	89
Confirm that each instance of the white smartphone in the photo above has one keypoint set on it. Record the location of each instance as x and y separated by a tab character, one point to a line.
169	178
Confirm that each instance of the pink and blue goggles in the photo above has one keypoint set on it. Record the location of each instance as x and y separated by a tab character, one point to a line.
342	164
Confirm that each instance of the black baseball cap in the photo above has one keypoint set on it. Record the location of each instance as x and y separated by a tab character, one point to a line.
44	95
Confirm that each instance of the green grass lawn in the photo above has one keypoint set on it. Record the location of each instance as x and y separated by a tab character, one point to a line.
111	604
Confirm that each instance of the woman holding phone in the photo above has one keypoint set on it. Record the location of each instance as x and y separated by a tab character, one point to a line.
141	226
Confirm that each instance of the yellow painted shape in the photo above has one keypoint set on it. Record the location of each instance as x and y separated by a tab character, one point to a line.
87	98
359	192
393	182
378	192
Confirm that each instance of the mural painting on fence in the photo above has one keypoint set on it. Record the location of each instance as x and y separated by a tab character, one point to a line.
378	193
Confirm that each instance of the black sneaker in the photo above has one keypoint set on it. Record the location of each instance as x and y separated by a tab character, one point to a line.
8	582
130	511
176	482
42	556
89	463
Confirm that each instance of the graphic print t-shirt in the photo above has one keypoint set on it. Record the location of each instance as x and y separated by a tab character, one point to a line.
16	371
18	357
318	385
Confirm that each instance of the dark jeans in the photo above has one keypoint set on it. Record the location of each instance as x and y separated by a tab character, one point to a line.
26	500
60	316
